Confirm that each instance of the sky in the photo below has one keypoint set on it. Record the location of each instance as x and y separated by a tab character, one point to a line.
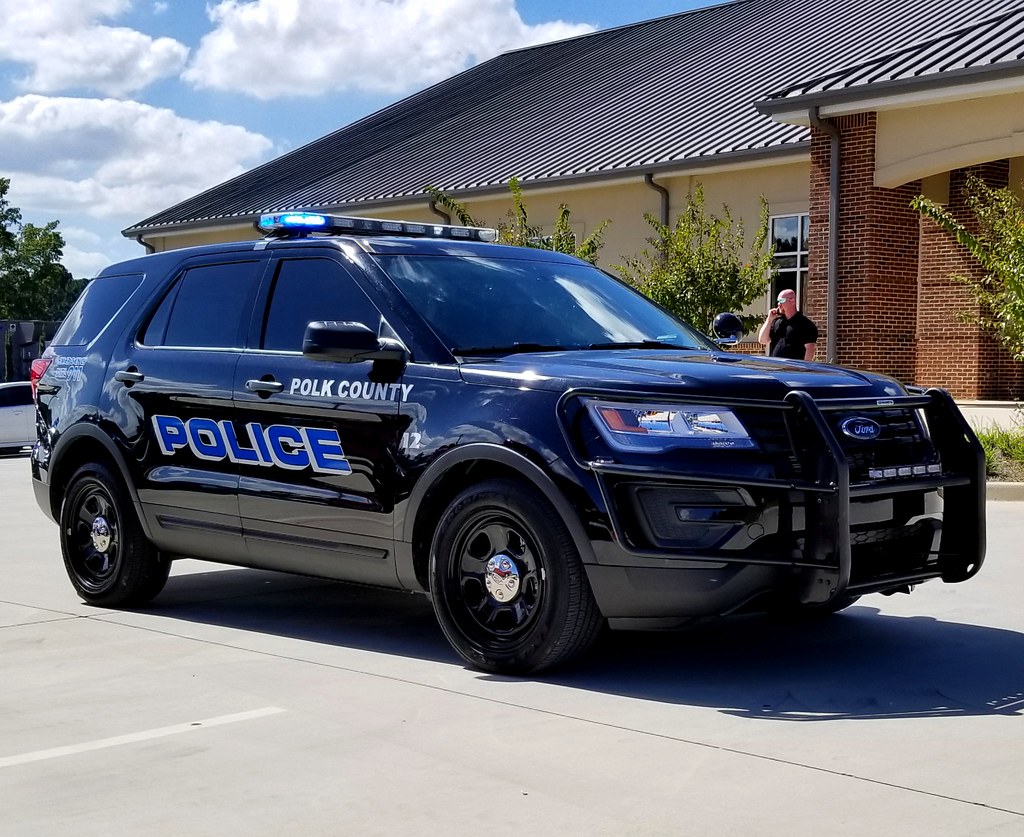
112	110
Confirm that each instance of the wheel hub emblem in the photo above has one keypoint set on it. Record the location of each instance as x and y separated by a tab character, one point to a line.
502	578
101	534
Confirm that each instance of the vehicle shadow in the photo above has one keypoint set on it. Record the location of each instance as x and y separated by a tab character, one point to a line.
859	664
345	615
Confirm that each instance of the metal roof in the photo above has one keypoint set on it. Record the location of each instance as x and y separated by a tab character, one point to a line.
955	55
662	94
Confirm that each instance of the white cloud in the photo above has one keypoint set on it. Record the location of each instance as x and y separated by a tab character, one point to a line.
269	48
65	48
99	165
86	253
114	160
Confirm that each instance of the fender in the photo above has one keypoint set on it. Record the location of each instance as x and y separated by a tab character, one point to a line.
476	452
77	431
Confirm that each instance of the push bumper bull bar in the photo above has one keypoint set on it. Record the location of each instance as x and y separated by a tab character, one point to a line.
962	538
827	553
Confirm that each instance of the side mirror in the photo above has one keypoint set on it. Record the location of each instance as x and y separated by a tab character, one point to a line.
728	329
349	343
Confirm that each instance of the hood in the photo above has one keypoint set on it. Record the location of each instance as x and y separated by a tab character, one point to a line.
675	371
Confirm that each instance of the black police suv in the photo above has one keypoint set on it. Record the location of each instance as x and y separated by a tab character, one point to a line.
526	439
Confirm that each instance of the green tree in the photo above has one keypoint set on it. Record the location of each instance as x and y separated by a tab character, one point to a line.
696	267
518	231
34	285
998	245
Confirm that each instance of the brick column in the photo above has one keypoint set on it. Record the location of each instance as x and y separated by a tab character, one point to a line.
878	250
952	354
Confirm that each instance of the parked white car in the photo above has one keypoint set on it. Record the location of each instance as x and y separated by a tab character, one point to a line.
17	416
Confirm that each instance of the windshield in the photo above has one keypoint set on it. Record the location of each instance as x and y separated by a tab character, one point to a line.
487	305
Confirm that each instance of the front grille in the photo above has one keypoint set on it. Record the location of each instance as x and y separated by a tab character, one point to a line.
893	552
901	441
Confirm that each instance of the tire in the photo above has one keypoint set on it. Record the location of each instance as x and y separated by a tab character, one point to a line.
507	583
106	554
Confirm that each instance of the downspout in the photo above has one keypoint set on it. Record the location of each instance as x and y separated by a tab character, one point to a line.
436	211
661	190
828	127
149	247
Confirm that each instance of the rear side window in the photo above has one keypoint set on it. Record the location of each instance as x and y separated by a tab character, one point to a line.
99	302
208	307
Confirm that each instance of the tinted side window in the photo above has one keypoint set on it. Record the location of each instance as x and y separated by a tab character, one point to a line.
16	396
99	302
312	289
208	307
21	395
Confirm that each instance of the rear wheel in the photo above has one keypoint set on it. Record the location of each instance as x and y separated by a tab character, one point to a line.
508	586
106	554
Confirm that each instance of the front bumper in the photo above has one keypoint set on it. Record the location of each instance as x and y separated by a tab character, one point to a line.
701	543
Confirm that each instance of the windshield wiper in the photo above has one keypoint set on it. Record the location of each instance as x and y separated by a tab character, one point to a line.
639	344
515	348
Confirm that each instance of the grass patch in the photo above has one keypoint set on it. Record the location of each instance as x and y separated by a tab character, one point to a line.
1004	452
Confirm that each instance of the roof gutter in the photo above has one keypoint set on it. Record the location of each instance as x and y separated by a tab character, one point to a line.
661	190
826	126
149	247
938	88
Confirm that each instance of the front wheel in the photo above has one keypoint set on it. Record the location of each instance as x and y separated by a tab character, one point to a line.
106	554
507	583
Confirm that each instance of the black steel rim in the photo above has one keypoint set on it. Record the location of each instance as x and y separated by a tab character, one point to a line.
94	568
481	617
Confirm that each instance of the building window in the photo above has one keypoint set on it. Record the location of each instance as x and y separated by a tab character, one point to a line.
789	235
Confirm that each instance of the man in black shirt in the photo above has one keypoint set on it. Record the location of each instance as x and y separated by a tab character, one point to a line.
787	332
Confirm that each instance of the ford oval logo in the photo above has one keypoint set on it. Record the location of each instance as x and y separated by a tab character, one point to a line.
861	428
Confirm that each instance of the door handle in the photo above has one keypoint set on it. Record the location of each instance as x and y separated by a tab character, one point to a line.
128	378
264	387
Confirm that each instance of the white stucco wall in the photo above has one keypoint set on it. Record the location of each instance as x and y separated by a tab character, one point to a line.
622	203
916	142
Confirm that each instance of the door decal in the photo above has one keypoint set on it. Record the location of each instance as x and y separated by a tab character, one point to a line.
275	446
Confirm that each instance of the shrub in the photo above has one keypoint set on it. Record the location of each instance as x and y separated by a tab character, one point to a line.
1004	451
518	231
697	268
998	247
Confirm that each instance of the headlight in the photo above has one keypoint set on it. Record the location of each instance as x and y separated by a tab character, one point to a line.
659	427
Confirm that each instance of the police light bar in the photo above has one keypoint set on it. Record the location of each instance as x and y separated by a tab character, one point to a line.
298	224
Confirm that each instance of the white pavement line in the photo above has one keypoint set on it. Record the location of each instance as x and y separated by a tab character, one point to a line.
73	749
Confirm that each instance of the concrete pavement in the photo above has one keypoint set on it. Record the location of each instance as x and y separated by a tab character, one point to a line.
253	703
